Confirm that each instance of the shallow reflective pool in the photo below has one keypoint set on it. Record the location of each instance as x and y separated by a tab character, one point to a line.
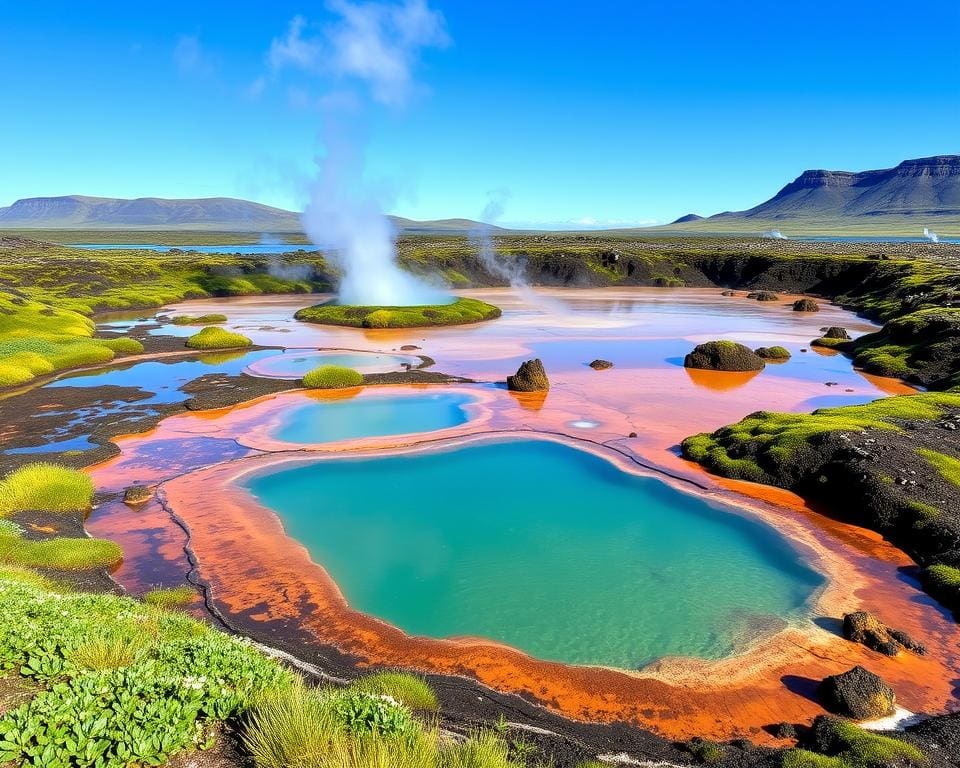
328	420
293	364
539	545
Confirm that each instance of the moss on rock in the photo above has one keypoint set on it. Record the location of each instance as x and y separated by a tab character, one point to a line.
723	356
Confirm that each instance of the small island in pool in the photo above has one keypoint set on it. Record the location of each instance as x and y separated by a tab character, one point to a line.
459	312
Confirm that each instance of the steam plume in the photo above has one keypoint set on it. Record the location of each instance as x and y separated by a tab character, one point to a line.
774	234
931	236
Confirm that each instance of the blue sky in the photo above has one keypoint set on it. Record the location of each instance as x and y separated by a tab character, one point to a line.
602	112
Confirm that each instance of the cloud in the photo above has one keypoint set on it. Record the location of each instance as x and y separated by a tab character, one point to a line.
190	56
376	44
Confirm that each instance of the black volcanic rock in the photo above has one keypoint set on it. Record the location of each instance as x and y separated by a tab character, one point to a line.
805	305
836	332
723	356
858	694
865	628
530	377
601	365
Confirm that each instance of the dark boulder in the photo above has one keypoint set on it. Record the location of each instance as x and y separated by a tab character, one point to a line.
772	353
805	305
601	365
530	377
857	693
763	296
723	356
865	628
836	332
409	347
728	293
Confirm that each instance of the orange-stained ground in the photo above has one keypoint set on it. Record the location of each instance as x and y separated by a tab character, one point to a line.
255	570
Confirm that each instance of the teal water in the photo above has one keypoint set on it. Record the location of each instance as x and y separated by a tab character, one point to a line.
325	421
539	545
294	364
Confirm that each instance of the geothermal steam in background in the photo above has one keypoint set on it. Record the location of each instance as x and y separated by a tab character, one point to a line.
931	236
374	47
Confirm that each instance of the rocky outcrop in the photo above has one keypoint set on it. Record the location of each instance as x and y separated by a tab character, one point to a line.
723	356
836	332
530	377
772	353
865	628
136	495
763	296
601	365
857	693
805	305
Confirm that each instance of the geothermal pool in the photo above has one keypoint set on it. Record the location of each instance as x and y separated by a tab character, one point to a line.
326	421
550	549
293	364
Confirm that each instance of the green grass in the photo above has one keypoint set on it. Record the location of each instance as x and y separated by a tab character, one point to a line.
854	747
947	466
170	597
217	338
410	690
461	311
332	377
46	487
199	319
943	582
60	553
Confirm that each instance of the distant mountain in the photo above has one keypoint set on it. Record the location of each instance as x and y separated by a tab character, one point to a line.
687	219
916	193
210	213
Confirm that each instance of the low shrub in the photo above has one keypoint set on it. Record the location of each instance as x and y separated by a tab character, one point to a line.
332	377
47	487
410	690
361	713
170	597
217	338
107	704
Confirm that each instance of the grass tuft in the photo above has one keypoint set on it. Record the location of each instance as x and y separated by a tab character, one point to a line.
62	553
332	377
412	691
170	597
46	487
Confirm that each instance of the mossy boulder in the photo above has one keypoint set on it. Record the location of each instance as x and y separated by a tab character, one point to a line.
332	377
865	628
723	356
212	337
772	353
459	312
136	495
763	296
805	305
530	377
858	694
601	365
836	332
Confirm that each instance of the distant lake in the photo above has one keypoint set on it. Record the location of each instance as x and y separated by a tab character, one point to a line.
244	249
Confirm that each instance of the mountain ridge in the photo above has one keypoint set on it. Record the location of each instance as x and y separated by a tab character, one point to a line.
227	214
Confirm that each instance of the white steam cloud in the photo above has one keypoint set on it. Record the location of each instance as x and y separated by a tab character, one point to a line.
933	237
774	234
373	49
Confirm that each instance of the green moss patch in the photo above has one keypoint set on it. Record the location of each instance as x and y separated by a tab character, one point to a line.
46	487
217	338
199	319
332	377
459	312
60	553
947	466
170	597
849	746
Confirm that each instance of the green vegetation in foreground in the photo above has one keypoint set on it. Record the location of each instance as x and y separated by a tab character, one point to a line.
853	747
119	683
765	445
217	338
170	597
332	377
199	319
61	553
461	311
46	487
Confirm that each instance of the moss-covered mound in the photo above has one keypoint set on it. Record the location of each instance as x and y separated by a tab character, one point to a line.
217	338
199	319
723	356
923	347
891	465
332	377
459	312
772	353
